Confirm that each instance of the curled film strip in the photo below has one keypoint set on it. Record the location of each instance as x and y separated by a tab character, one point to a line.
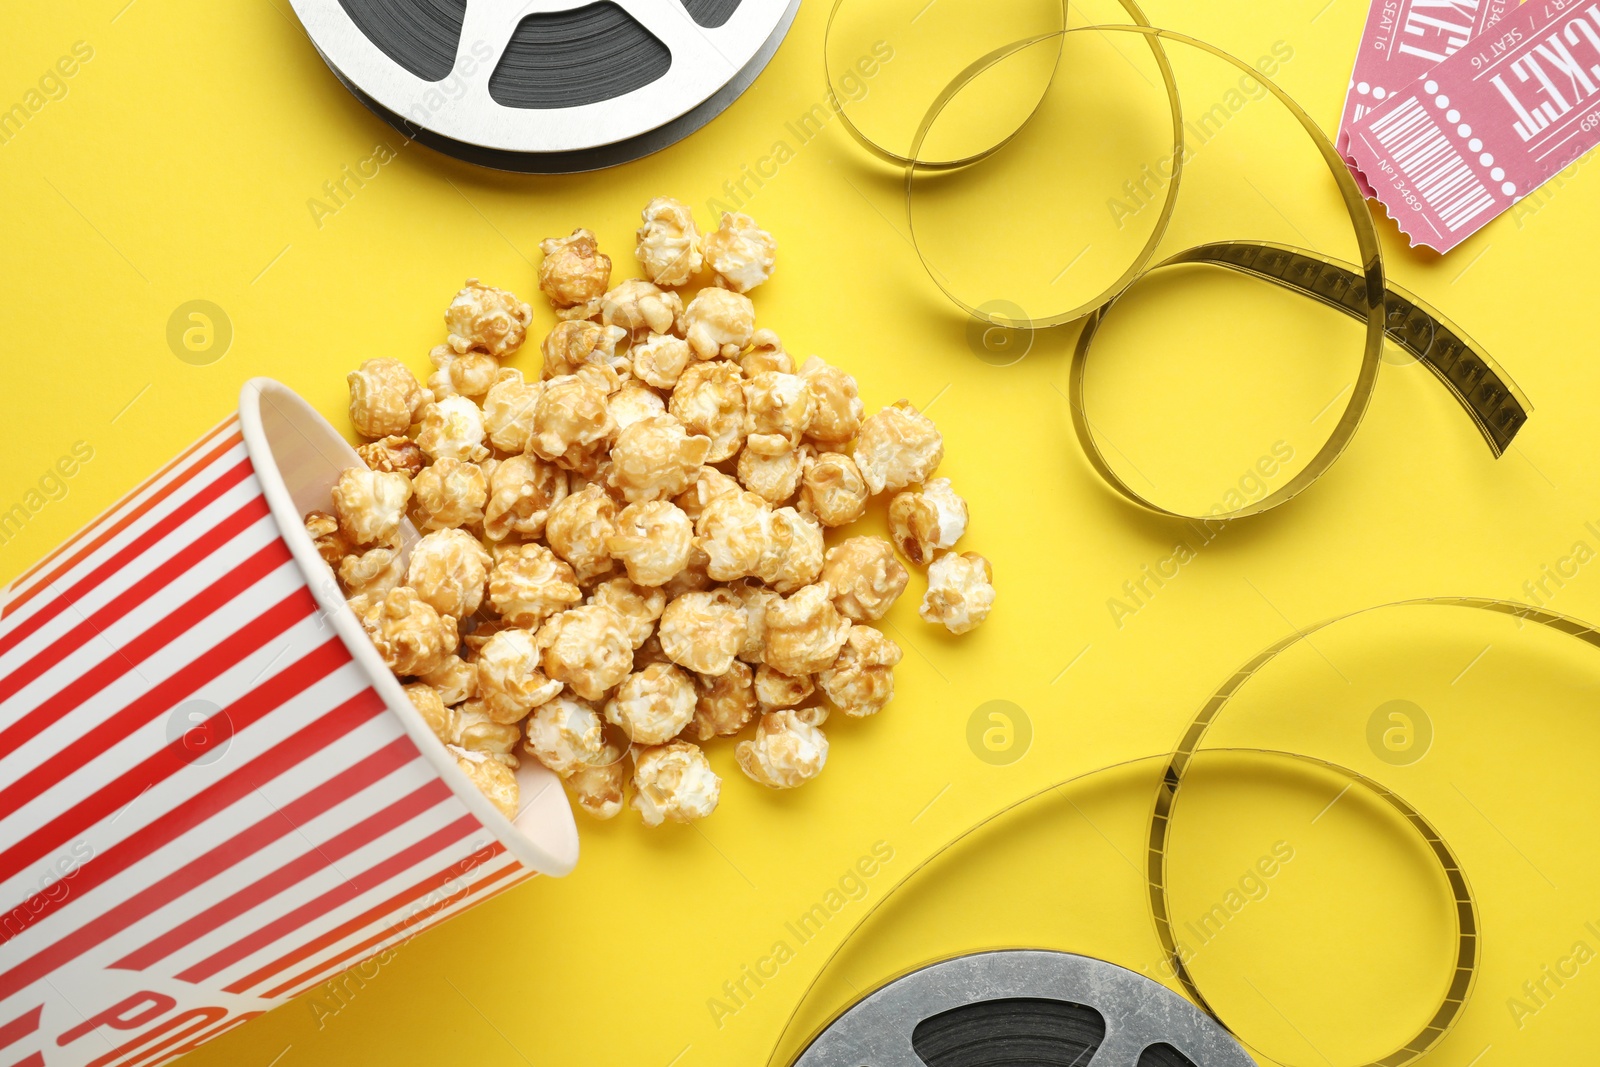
1480	385
546	87
879	1028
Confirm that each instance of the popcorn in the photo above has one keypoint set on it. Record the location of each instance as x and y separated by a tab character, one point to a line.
668	243
431	706
450	493
528	584
832	489
598	787
508	409
793	554
384	398
478	733
455	680
836	418
452	428
778	404
787	751
709	400
573	344
734	531
373	572
331	544
718	323
448	570
774	689
653	705
634	402
494	780
702	631
573	270
510	683
652	541
580	529
920	522
960	591
565	734
392	455
861	680
654	459
865	578
897	447
638	607
522	490
708	484
588	648
674	782
465	373
804	631
660	360
485	319
773	478
755	597
640	308
572	419
741	253
370	505
411	637
725	703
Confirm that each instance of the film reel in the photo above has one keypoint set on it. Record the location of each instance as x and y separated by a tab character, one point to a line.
953	141
546	88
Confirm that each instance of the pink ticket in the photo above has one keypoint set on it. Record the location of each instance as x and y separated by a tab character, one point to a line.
1403	40
1488	125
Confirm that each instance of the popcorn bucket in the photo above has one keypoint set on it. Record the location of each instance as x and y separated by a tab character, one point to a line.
213	793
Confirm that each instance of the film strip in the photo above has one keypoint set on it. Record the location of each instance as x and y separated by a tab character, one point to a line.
531	89
855	1028
1481	386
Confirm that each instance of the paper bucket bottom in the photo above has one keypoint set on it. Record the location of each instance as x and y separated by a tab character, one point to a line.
213	796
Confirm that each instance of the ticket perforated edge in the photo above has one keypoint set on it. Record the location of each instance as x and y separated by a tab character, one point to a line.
1402	41
1487	125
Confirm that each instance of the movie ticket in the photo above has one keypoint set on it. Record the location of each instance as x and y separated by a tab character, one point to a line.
1403	40
1487	125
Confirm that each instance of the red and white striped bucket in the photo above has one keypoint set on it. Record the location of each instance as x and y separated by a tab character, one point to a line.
213	794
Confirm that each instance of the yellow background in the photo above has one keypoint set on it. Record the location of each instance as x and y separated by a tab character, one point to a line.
178	166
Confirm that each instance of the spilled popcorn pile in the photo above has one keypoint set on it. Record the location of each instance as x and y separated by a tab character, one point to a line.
625	558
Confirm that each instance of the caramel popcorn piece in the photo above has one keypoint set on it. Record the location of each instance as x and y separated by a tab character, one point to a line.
494	780
371	573
865	578
331	544
660	361
655	459
708	484
455	680
718	323
703	631
774	478
668	246
479	734
920	522
832	489
640	308
740	252
385	398
674	783
709	400
508	409
588	648
766	353
449	494
793	553
370	505
804	631
392	455
778	404
485	319
733	530
510	682
960	591
724	703
653	705
836	414
639	607
572	345
599	787
573	270
652	541
580	529
787	751
452	428
522	490
448	570
861	680
565	734
431	706
528	584
572	419
774	689
464	373
755	597
635	402
897	447
411	637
